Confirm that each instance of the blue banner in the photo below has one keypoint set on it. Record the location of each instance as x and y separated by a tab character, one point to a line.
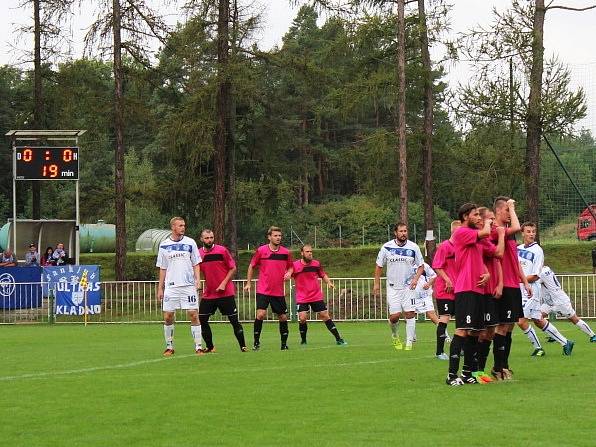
20	287
70	283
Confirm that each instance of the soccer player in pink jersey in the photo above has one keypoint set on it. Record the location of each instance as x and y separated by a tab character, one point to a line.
469	285
307	272
444	265
218	268
274	262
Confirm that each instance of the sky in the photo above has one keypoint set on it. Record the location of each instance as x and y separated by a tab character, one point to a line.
570	35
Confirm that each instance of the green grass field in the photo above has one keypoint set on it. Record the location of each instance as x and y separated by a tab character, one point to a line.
107	385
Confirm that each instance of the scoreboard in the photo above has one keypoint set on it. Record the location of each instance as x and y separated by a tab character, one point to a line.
46	163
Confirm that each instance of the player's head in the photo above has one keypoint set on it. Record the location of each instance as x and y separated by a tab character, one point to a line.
529	232
455	225
400	230
207	238
178	226
274	235
32	248
60	246
468	215
501	209
486	214
306	252
7	252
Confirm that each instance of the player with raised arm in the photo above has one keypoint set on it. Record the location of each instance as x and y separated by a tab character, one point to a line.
179	279
218	268
307	272
274	262
404	267
556	300
469	288
444	265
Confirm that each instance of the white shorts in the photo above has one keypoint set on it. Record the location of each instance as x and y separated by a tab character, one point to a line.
561	309
401	300
535	292
424	301
532	309
185	298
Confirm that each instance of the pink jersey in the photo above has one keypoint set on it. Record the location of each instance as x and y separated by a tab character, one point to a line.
308	287
215	265
468	260
492	265
272	267
510	261
444	259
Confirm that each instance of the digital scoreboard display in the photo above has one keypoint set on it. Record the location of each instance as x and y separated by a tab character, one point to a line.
46	163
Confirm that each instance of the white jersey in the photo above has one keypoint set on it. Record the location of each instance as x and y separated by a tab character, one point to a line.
178	258
552	292
402	262
428	274
531	259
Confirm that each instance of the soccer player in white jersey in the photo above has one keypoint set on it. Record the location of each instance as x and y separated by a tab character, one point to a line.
531	259
556	300
424	297
179	279
404	266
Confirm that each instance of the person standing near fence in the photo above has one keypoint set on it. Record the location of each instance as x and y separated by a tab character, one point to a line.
307	272
405	265
218	268
274	262
179	279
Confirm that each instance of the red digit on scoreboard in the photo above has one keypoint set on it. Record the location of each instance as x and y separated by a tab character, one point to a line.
27	155
67	155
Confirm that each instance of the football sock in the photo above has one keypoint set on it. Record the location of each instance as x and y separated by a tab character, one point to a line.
195	331
470	359
410	329
531	334
238	330
583	326
331	326
499	351
441	336
283	331
394	329
303	328
454	353
551	330
507	350
206	331
168	333
483	350
258	327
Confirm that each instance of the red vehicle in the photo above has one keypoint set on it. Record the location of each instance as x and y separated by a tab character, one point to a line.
586	225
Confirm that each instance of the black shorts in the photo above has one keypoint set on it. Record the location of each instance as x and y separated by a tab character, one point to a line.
509	306
469	311
226	305
490	311
445	307
316	306
277	303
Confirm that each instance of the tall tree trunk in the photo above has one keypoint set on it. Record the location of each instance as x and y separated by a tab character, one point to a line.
222	127
427	151
37	99
120	200
232	223
534	116
401	112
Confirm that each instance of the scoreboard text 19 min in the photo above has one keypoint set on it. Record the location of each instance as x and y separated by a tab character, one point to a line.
46	163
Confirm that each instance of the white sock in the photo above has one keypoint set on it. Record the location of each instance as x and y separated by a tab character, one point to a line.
583	326
410	329
531	334
447	334
551	330
196	335
394	329
168	334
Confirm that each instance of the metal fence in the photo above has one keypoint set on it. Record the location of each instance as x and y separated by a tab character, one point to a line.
351	300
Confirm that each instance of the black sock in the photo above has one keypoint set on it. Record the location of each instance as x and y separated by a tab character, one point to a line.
283	332
258	327
483	350
456	344
302	328
499	351
441	328
238	330
507	350
470	358
331	326
206	331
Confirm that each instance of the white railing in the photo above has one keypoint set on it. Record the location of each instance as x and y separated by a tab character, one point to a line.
136	302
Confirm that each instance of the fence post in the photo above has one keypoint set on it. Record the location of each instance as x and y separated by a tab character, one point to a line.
51	315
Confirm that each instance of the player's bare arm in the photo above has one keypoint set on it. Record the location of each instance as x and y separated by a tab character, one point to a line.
419	272
524	280
448	282
515	226
197	271
430	283
249	274
499	289
160	284
377	282
500	242
485	232
484	278
288	273
226	280
328	281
